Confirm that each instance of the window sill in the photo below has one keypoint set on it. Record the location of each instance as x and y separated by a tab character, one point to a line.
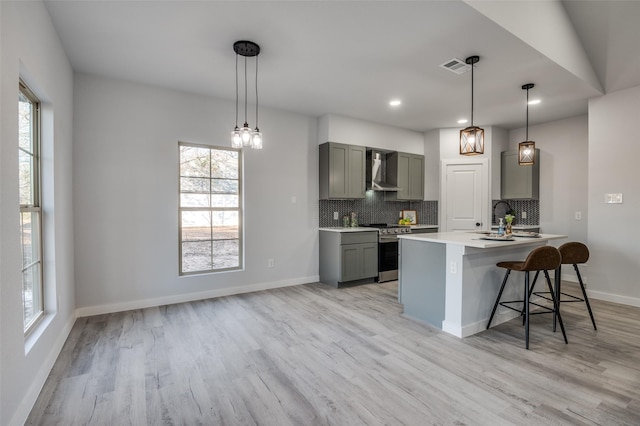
33	337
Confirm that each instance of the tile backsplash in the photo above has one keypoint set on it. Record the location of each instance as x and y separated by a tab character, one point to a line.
374	209
531	207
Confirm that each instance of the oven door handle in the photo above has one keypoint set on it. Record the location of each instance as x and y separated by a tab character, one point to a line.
388	239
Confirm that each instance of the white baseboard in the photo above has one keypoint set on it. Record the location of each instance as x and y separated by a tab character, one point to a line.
479	326
26	405
190	297
616	298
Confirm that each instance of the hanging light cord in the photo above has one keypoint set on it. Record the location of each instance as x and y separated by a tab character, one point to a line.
527	128
471	93
256	92
236	90
245	89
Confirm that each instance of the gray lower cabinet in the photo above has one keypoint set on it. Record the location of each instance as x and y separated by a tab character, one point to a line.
341	171
519	182
406	171
348	257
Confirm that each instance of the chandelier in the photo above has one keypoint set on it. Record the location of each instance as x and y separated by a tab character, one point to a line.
245	136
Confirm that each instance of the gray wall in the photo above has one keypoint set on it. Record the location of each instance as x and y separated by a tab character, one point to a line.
614	229
564	169
31	49
126	196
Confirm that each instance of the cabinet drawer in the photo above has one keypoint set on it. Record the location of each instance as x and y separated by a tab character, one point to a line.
359	237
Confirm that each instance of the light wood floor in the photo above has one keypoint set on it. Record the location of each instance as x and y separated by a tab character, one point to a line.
315	355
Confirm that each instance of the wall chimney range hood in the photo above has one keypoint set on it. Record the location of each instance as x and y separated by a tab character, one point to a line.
377	171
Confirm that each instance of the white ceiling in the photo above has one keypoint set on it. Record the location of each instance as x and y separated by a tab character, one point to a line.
351	57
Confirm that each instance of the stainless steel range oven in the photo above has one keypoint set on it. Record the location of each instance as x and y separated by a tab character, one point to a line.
388	249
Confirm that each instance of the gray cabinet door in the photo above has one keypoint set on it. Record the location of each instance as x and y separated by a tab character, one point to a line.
359	261
338	170
406	171
416	177
356	171
341	171
369	260
519	182
403	175
351	262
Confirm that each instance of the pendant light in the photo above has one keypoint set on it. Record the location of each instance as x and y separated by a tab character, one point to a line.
527	149
472	138
245	136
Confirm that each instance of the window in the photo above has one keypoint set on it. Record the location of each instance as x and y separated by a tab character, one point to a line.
30	206
210	209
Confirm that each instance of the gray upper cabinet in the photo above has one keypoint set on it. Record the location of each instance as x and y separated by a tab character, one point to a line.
342	171
519	182
406	171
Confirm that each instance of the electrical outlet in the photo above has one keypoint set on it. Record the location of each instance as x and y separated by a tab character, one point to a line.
524	215
336	216
271	263
453	267
578	215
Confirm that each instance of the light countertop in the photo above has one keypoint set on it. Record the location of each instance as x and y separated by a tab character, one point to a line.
473	239
348	229
521	227
369	229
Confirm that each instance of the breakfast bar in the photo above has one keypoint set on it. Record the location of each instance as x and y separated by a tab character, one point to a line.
450	279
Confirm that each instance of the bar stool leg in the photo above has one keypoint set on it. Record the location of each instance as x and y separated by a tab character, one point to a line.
533	285
526	308
584	294
556	307
557	282
495	306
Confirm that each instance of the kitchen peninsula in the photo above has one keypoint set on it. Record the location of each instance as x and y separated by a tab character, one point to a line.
450	279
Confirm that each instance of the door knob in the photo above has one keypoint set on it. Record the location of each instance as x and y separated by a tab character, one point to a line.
478	224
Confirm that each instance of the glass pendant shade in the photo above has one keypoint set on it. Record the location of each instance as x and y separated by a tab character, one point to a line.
527	153
472	141
245	135
256	139
236	139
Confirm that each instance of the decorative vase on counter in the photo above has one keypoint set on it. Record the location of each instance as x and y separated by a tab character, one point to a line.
508	230
509	219
354	219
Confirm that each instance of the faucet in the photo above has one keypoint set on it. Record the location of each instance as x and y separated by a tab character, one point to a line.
509	209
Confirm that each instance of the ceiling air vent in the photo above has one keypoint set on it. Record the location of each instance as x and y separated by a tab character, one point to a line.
456	65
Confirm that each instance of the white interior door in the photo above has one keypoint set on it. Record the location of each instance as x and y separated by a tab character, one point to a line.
464	196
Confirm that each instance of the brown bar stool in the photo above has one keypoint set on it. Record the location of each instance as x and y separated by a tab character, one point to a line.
573	253
544	259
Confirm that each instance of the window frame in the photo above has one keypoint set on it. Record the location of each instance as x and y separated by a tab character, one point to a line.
239	209
36	207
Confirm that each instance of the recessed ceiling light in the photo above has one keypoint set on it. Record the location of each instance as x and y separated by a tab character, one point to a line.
462	121
395	103
534	101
